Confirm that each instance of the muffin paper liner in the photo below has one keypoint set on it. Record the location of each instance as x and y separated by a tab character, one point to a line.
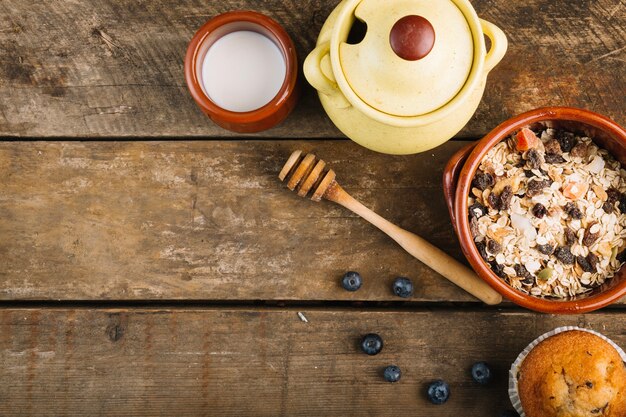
513	393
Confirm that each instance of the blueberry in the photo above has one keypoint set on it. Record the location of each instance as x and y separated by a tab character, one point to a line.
392	373
438	392
403	287
481	373
351	281
372	344
508	413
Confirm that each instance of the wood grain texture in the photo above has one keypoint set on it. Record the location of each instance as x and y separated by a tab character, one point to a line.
63	362
112	68
211	220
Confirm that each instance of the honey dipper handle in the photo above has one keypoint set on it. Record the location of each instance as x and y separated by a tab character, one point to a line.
430	255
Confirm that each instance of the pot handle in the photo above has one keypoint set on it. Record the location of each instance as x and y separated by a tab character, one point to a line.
313	70
499	44
451	174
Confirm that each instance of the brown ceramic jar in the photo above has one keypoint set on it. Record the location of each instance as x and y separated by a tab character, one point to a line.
266	116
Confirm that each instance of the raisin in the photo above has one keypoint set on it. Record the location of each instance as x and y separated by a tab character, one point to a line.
535	187
497	269
567	140
552	146
584	264
493	201
539	210
608	207
589	238
477	210
482	250
564	255
546	249
529	173
553	158
505	198
493	246
579	151
621	256
528	281
482	180
522	272
592	259
534	158
612	195
570	236
622	203
571	210
474	226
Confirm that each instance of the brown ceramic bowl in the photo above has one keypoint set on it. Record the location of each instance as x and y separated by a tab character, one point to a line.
462	167
262	118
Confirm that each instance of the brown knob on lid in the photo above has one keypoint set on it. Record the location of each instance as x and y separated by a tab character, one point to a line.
412	37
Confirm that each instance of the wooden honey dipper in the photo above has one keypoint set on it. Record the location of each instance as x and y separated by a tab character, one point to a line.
308	173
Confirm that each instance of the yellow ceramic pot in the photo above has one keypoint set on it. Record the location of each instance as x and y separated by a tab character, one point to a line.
413	81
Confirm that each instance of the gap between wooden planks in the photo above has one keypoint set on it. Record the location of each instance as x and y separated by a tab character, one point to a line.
260	362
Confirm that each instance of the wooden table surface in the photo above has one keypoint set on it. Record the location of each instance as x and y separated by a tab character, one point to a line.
151	263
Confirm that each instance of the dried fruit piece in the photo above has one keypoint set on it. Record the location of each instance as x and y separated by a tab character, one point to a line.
474	226
534	158
564	255
570	236
539	210
571	210
592	259
546	249
608	207
497	269
585	264
567	140
477	210
482	180
505	198
535	187
553	158
522	272
526	139
579	151
552	147
493	201
482	250
622	203
493	246
612	195
592	233
574	190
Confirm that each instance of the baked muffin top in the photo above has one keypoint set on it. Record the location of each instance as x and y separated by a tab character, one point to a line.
573	374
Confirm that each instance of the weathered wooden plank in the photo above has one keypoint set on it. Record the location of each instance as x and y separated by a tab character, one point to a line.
63	362
210	220
109	68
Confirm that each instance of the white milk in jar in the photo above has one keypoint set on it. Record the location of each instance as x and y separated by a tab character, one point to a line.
242	71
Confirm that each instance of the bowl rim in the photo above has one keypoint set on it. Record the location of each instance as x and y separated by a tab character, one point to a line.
467	172
269	114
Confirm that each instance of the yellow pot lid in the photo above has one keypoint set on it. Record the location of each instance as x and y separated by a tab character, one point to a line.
415	57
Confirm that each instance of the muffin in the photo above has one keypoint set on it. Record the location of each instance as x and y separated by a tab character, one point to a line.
572	374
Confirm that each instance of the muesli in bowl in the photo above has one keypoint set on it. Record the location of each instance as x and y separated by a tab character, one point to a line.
547	212
551	174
